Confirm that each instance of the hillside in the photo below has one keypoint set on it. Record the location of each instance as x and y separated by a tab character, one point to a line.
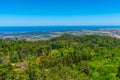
68	57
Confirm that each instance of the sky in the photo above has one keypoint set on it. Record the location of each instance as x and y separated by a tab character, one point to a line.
59	12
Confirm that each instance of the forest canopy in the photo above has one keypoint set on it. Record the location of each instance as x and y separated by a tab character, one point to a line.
68	57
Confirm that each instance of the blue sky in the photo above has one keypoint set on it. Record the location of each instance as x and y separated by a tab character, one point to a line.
59	12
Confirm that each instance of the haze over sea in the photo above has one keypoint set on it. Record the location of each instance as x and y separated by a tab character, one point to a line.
18	29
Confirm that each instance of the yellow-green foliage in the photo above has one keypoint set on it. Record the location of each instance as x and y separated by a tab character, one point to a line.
67	57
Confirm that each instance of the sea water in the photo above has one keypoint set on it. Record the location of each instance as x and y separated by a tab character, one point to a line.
18	29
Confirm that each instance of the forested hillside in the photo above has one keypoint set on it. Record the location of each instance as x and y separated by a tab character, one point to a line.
68	57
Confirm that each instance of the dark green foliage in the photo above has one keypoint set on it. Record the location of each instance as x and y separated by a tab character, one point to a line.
67	57
118	73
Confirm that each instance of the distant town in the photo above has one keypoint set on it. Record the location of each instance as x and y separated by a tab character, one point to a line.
33	36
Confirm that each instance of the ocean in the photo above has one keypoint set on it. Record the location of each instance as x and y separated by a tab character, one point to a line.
18	29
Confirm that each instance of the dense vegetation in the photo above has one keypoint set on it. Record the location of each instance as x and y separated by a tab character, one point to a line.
67	57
